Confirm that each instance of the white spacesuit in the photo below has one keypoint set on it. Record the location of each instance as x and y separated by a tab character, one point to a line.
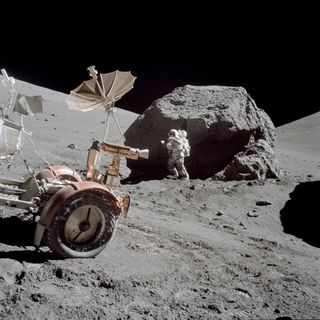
178	148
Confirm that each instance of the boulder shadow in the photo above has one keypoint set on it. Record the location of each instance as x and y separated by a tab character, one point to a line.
300	215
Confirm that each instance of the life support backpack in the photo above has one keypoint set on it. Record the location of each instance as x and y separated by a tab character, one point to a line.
184	142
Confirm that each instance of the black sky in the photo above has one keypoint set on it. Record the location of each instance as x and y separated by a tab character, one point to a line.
274	55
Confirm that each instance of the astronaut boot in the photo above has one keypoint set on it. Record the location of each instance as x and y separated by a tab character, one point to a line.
173	173
183	174
184	177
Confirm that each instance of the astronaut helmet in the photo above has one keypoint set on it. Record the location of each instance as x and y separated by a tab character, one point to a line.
173	133
183	133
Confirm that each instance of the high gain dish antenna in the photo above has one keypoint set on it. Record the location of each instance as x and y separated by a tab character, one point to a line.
102	90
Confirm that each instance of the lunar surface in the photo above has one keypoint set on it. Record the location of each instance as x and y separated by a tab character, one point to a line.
197	249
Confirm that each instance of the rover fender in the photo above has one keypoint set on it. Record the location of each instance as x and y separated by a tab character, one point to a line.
59	172
57	200
48	211
99	188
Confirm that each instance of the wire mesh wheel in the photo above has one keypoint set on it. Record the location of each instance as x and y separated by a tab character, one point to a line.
83	225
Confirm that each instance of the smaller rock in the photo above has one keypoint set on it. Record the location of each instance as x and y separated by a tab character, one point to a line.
263	203
220	213
252	214
11	271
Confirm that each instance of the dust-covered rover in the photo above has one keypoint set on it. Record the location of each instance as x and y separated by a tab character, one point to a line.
76	218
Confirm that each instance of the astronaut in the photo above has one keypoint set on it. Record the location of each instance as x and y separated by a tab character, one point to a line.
178	148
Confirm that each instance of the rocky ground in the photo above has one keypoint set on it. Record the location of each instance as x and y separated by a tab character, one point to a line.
198	249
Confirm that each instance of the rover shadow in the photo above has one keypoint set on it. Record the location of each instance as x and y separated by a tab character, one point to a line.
300	215
29	256
17	232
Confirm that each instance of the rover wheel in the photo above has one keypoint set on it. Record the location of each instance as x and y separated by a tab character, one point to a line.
82	226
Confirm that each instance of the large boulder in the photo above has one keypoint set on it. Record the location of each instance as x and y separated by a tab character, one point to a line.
230	137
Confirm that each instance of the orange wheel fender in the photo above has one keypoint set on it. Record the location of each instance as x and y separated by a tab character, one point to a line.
59	172
104	191
56	201
65	173
54	204
44	174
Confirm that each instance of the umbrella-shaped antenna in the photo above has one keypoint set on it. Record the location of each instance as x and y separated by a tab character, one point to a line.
102	90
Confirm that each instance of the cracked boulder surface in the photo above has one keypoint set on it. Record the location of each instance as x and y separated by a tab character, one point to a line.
230	137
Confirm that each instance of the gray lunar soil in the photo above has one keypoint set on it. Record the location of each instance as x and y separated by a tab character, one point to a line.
198	249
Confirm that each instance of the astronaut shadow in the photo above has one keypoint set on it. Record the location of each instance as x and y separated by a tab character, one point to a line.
300	215
146	176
